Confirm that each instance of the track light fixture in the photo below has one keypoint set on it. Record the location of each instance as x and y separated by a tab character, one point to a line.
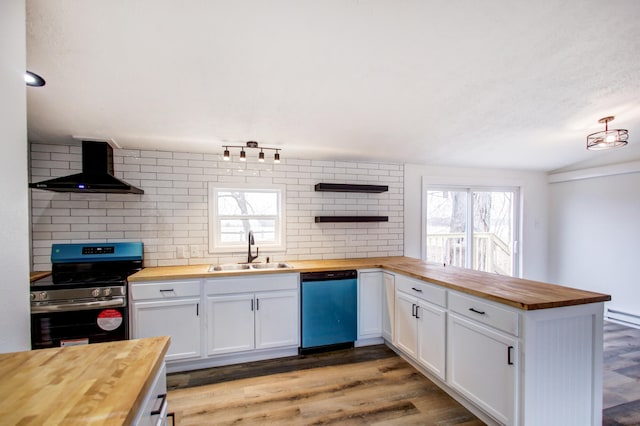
607	139
253	145
34	80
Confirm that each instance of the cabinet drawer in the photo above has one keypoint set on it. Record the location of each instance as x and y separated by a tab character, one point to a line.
485	312
165	289
251	283
422	290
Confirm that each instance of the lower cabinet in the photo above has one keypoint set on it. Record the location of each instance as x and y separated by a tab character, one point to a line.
370	304
420	332
154	407
388	306
248	321
482	366
169	308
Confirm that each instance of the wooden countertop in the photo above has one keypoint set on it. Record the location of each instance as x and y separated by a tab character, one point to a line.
515	292
97	384
37	275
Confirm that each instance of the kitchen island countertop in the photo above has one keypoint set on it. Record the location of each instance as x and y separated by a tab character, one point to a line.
97	384
515	292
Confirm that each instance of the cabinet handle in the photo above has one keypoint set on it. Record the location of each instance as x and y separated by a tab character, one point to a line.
509	360
476	311
257	304
163	398
170	290
416	289
417	307
252	304
197	309
413	309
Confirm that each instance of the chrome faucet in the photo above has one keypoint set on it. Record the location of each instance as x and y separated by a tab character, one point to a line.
250	257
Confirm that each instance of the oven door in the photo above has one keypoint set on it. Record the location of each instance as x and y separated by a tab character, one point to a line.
78	327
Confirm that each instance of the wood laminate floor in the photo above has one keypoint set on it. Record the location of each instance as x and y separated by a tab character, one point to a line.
369	385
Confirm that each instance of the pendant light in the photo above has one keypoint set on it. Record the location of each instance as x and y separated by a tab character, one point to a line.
608	138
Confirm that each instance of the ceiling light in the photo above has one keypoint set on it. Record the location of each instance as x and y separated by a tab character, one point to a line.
251	145
34	80
608	138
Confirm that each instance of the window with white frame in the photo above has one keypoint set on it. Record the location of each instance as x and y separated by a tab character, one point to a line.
473	227
234	210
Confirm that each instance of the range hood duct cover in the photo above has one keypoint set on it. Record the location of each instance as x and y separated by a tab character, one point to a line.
96	176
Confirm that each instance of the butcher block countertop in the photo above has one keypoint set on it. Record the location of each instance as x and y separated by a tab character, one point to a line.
515	292
97	384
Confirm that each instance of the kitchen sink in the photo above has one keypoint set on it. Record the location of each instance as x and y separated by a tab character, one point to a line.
270	265
230	267
248	267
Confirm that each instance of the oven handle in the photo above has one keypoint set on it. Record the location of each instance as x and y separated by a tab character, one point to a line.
115	302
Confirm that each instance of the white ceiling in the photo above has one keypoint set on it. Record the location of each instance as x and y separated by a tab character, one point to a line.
492	83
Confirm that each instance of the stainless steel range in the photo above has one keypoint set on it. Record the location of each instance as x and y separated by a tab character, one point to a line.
84	300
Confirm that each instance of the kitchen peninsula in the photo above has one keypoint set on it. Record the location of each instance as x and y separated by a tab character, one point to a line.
99	384
513	351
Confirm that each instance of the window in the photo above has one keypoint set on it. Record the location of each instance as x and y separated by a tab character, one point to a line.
236	210
472	228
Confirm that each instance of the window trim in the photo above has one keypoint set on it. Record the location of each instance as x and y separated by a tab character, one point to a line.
213	232
517	231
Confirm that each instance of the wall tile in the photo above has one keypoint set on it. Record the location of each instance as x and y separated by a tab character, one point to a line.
172	216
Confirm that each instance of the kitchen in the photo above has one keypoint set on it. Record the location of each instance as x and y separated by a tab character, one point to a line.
549	246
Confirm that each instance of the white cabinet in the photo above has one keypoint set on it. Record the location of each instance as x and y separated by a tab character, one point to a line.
277	319
153	410
230	323
168	308
370	304
240	318
420	324
431	337
483	367
388	306
243	322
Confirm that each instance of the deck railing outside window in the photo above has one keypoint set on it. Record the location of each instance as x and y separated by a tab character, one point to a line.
490	253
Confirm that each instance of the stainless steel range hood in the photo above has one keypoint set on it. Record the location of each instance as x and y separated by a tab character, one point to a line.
96	176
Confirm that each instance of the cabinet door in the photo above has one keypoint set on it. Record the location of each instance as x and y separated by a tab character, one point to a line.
431	337
483	366
230	323
388	306
277	321
369	305
179	319
406	324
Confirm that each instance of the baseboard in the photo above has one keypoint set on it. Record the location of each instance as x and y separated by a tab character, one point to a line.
622	317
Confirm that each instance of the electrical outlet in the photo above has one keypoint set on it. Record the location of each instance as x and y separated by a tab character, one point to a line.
181	252
195	251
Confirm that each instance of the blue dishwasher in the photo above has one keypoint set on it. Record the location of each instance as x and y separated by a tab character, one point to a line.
329	309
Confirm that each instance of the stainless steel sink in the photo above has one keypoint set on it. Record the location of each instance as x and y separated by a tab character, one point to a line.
248	267
230	267
270	265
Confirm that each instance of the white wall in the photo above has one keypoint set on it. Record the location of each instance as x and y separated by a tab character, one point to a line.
594	239
171	217
533	199
14	226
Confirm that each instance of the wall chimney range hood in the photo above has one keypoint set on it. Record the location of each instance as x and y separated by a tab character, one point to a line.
96	176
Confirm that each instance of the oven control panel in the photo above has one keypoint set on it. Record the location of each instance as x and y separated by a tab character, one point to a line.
98	250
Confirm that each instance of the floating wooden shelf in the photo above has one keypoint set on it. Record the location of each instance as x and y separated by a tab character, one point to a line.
325	219
347	187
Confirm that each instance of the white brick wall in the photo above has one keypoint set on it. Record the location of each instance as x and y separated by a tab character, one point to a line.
171	217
